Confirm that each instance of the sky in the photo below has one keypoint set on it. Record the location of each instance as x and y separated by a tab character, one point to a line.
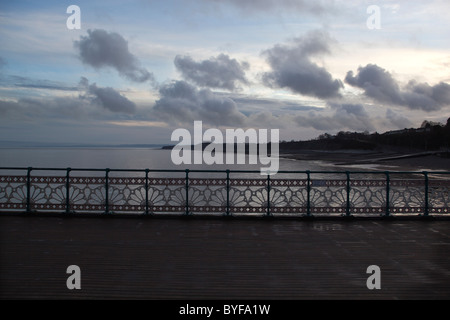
136	70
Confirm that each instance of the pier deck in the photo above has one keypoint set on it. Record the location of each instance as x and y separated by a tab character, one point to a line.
222	258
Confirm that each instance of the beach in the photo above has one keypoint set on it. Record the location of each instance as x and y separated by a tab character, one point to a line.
382	160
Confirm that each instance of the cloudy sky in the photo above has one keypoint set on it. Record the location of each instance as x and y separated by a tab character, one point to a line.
138	69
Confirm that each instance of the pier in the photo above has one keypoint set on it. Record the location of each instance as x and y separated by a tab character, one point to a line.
224	192
143	234
216	258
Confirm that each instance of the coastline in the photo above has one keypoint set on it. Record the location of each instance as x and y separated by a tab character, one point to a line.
383	160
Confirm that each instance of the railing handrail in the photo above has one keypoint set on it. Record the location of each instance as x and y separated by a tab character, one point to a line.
382	172
270	184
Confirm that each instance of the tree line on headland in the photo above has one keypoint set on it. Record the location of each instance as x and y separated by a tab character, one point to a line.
431	136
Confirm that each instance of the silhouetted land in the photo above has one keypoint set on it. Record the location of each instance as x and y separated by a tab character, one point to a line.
409	148
429	137
413	148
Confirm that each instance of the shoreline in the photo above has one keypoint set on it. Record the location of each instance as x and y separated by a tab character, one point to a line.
383	160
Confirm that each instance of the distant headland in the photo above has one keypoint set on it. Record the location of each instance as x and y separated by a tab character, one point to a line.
425	147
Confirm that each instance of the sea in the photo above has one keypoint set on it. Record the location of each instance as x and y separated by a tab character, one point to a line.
125	158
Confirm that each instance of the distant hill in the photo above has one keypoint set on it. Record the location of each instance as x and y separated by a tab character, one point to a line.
429	137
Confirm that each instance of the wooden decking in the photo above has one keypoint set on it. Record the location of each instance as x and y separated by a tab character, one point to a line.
218	258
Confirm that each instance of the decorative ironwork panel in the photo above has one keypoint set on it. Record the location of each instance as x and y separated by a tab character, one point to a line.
328	196
368	196
207	195
127	194
439	196
47	193
248	196
88	194
288	196
13	192
167	195
241	196
407	196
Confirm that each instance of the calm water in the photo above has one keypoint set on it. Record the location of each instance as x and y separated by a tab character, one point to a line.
129	158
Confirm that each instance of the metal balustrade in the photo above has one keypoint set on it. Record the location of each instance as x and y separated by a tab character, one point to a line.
224	192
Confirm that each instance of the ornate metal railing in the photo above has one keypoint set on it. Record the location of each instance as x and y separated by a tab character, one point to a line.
224	192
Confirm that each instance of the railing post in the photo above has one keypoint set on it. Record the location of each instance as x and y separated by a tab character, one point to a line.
427	207
388	190
28	200
146	191
67	190
228	193
308	193
187	192
347	210
107	190
268	193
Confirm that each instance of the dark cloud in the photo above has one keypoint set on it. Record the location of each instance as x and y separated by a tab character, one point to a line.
47	108
344	116
25	82
107	97
292	67
112	100
217	72
42	84
379	85
433	97
92	102
103	49
398	120
180	102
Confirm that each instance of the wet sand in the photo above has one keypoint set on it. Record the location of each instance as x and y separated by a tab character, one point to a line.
375	159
